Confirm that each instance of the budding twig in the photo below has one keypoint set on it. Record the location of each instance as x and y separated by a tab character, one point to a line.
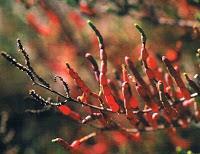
18	65
28	64
40	99
65	85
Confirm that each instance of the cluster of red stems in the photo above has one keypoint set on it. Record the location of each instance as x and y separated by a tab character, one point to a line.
164	105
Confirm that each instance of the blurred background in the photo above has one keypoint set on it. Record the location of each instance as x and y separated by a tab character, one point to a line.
56	32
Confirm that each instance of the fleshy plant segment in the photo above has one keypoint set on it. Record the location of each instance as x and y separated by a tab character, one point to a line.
148	103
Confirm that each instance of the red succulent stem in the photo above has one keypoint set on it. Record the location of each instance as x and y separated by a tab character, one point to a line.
64	109
136	74
124	74
177	78
94	65
110	100
128	99
80	83
192	84
75	144
169	109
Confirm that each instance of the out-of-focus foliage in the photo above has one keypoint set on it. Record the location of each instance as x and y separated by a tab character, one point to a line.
55	32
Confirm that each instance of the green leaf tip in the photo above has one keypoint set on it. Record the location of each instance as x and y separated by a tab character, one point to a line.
90	23
98	34
139	28
141	31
